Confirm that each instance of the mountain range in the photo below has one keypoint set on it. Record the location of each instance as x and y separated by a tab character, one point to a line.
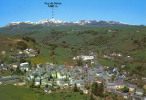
58	22
44	25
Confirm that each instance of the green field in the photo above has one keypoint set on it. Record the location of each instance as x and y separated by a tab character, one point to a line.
107	62
10	92
61	56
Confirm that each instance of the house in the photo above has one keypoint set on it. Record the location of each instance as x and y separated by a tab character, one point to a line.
66	84
120	78
138	98
21	84
15	65
9	79
21	56
125	95
3	67
119	85
39	65
84	57
79	82
62	76
22	64
49	64
99	81
14	55
37	81
33	75
84	89
50	83
139	92
24	68
110	73
122	66
119	55
131	87
125	76
110	85
47	90
20	52
31	55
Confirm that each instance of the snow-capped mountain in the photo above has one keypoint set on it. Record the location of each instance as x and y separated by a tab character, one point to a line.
58	22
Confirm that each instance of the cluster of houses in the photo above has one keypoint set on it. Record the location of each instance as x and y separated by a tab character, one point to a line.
66	76
24	54
22	66
30	52
117	86
9	79
112	55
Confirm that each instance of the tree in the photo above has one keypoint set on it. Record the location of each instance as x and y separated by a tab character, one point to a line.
25	71
113	77
125	89
79	61
91	98
58	87
46	85
64	42
75	89
11	69
51	77
22	60
40	81
21	45
101	90
32	83
95	89
18	70
56	74
87	87
81	92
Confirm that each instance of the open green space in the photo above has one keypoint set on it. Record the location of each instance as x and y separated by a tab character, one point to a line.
107	62
10	92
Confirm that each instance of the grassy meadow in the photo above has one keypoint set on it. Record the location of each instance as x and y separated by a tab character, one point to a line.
10	92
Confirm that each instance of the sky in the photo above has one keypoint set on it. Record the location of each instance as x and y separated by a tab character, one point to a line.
126	11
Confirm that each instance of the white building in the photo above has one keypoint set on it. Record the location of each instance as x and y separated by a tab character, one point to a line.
23	64
83	57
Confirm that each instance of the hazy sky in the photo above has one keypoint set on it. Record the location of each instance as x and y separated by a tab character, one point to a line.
126	11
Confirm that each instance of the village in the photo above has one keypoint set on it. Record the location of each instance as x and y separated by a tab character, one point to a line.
52	76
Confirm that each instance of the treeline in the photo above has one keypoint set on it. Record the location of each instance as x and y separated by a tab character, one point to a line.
28	39
93	32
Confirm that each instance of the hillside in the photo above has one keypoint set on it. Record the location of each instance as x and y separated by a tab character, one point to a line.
61	42
11	43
